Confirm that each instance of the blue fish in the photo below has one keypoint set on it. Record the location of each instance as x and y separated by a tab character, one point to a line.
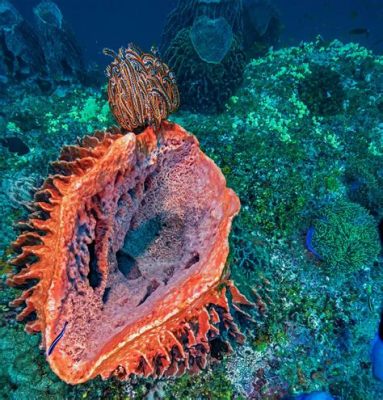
309	244
377	352
58	337
312	396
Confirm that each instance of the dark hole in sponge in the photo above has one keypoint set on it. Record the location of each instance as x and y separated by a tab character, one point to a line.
105	296
127	265
137	240
94	275
149	290
135	243
193	260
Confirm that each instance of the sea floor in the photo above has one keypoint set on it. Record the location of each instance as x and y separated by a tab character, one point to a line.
301	143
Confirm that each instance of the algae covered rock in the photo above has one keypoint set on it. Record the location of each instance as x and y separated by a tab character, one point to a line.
322	90
346	237
24	374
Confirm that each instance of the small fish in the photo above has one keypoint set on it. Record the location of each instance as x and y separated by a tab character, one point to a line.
309	245
58	337
311	396
359	31
377	352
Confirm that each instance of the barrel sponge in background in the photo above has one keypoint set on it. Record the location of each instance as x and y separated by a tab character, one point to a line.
21	56
205	86
61	50
211	38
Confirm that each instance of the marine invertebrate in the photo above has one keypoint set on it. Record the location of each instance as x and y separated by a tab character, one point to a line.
261	26
21	55
62	52
134	271
142	90
346	237
197	79
211	38
255	23
188	11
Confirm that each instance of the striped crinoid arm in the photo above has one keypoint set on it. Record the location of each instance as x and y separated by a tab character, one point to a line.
142	91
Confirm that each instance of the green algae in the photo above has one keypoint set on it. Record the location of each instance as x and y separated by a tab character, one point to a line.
213	384
346	237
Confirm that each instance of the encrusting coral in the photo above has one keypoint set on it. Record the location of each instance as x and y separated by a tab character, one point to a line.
123	259
345	236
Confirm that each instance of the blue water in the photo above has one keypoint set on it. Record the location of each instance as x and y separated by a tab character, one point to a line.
113	23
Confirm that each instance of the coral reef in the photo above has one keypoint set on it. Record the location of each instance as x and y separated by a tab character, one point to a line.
346	237
313	327
287	163
322	91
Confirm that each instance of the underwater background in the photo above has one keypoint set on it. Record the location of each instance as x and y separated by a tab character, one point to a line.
287	98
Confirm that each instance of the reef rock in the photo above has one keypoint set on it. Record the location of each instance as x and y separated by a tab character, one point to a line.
21	55
62	53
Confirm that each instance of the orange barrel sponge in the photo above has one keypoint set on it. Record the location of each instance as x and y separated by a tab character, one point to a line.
123	260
